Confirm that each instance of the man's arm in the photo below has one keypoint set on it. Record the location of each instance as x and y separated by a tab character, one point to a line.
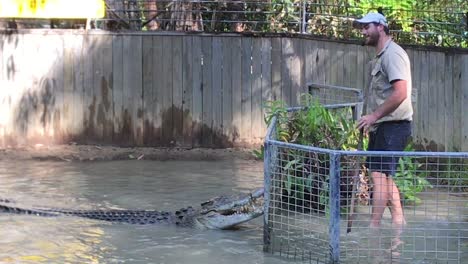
396	98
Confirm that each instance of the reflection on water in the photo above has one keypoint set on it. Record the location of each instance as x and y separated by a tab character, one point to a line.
162	185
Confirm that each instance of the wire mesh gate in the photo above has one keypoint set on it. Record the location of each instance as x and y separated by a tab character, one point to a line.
308	194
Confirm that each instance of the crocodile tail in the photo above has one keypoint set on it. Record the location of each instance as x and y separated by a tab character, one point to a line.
2	200
18	210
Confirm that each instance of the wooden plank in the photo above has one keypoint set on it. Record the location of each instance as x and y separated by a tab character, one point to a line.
17	65
351	67
448	103
56	78
423	96
217	92
236	75
77	88
276	65
119	135
458	101
310	61
246	95
414	61
302	58
286	75
167	103
299	86
133	89
266	80
10	71
433	119
3	38
177	90
158	88
15	89
257	119
96	128
321	62
369	55
197	91
106	106
88	86
336	60
360	68
227	100
147	78
102	92
187	86
207	79
440	101
68	78
3	96
39	122
464	87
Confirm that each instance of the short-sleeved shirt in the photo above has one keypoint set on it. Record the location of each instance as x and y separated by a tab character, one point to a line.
391	64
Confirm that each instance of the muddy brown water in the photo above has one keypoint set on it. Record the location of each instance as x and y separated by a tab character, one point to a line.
171	185
161	185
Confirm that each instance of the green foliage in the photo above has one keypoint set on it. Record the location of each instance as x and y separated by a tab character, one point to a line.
304	176
409	179
259	153
455	176
315	125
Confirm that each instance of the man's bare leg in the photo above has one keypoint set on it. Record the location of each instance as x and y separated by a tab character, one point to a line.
398	219
380	198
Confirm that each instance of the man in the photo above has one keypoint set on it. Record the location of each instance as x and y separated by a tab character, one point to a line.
388	121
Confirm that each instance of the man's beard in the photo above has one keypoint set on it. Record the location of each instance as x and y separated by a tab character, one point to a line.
371	40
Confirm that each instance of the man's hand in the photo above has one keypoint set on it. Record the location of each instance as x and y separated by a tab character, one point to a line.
366	122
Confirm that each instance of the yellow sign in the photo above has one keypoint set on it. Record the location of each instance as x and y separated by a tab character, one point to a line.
52	8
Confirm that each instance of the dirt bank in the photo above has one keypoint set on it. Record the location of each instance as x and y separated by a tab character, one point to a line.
103	153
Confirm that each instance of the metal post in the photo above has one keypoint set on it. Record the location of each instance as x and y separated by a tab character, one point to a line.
334	225
266	196
358	109
304	14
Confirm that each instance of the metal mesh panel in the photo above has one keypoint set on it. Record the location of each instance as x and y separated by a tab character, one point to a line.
426	22
329	94
436	227
315	196
298	204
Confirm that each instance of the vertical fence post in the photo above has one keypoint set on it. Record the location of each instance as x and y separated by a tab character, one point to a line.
334	225
266	196
357	110
304	14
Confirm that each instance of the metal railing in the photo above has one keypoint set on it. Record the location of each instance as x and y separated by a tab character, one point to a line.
309	192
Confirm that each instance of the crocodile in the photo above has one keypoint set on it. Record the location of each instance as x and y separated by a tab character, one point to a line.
223	212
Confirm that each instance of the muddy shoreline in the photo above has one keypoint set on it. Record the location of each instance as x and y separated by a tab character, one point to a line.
86	153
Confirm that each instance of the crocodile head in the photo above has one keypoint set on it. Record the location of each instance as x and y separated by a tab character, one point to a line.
225	212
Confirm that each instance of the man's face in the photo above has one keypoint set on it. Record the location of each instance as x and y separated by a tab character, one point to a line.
371	34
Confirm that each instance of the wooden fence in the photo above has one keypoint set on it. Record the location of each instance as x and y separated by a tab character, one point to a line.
159	89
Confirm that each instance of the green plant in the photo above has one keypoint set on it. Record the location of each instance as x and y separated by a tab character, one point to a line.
304	175
259	153
409	180
455	176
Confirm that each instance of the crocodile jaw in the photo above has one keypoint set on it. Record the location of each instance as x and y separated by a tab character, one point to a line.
219	221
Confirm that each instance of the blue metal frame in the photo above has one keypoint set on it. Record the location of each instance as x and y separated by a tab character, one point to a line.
334	185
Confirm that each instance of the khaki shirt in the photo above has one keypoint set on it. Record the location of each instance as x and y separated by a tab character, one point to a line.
392	63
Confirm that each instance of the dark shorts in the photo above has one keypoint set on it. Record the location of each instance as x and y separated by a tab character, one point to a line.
389	136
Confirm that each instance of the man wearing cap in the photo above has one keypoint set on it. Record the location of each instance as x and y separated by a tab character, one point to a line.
389	115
